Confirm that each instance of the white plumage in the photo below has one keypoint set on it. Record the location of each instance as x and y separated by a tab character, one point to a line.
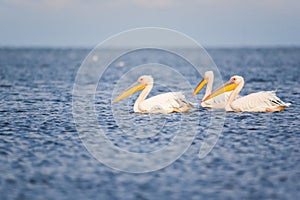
265	101
216	102
162	103
165	103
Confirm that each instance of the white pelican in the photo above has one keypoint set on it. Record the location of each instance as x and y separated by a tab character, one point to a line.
163	103
216	102
265	101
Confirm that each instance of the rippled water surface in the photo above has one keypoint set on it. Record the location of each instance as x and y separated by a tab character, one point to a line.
41	156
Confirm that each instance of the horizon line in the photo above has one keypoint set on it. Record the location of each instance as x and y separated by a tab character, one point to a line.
266	46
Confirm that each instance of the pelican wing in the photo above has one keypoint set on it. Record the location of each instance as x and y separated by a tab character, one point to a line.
259	102
166	103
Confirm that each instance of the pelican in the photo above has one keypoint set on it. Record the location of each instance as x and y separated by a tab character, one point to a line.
264	101
162	103
216	102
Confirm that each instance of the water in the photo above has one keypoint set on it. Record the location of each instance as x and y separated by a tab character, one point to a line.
41	156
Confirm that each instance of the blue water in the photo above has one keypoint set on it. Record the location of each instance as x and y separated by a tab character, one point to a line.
41	156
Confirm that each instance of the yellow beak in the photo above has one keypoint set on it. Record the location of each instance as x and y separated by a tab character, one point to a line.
131	90
229	86
200	86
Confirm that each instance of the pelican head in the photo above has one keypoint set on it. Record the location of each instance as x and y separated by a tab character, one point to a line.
208	75
233	82
140	84
146	79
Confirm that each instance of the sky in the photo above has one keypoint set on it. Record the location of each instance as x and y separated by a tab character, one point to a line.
85	23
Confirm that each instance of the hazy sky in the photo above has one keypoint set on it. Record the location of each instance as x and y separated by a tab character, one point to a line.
210	22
